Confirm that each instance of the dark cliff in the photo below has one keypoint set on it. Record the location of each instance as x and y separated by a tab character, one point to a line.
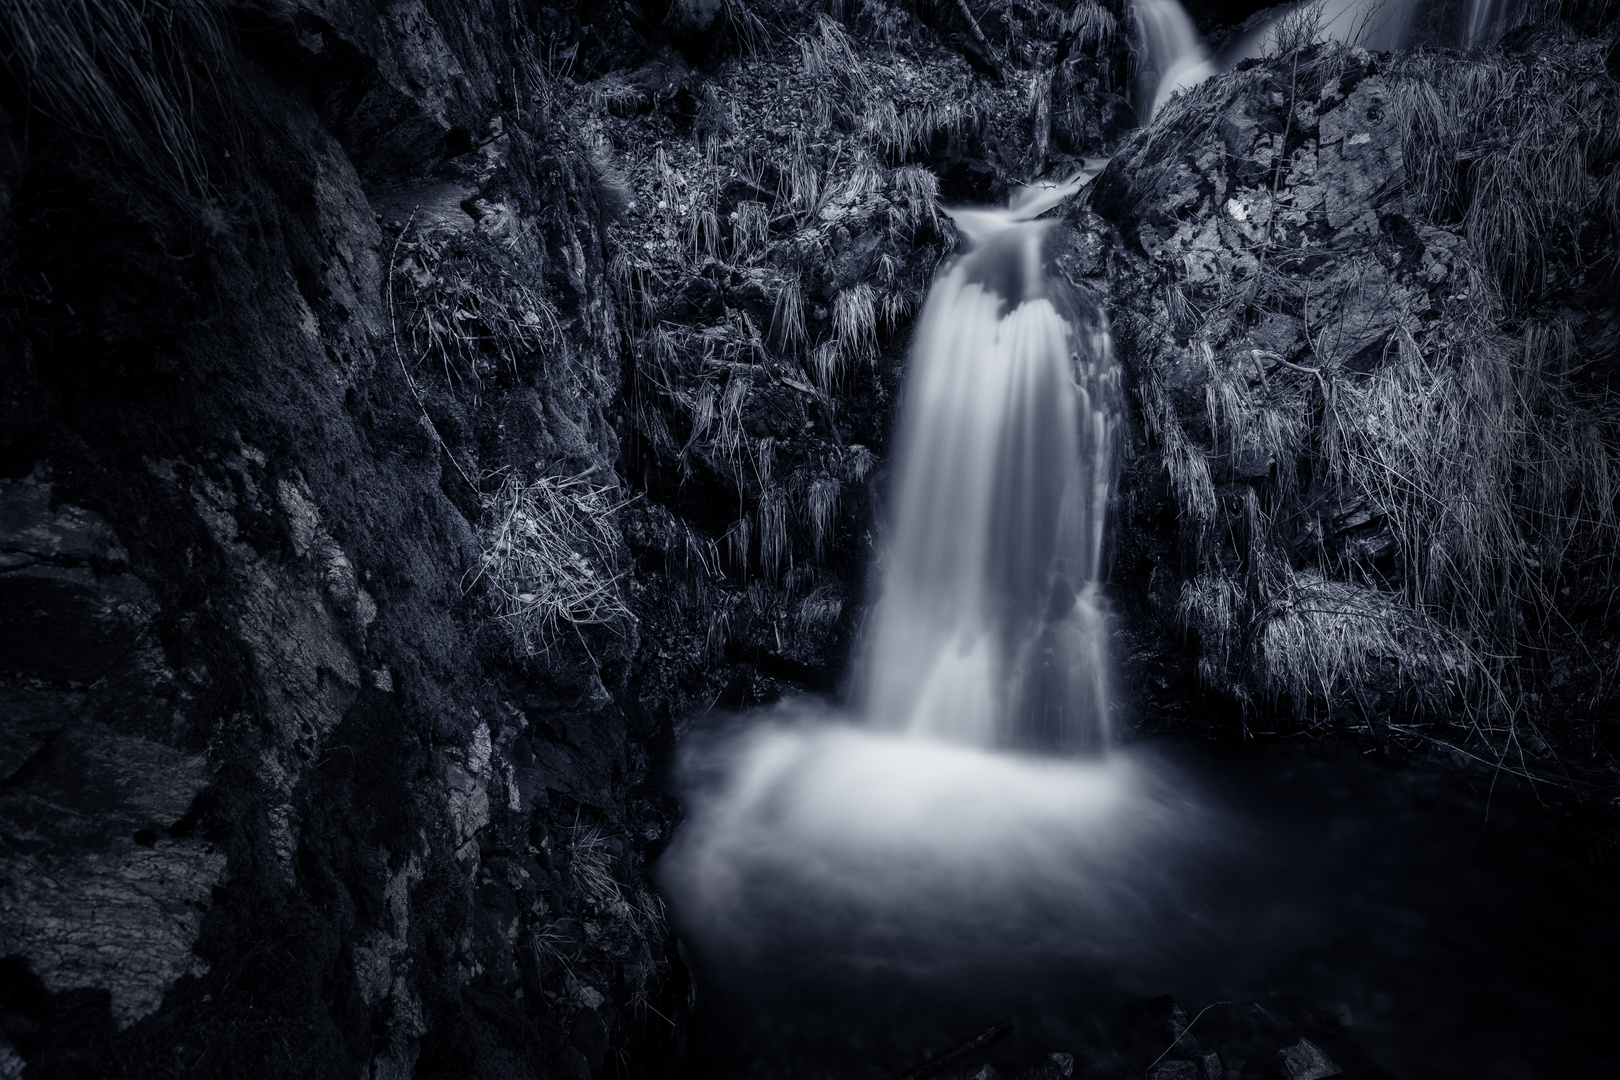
411	414
296	295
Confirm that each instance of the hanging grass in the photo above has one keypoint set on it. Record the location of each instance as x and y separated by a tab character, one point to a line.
1409	500
145	79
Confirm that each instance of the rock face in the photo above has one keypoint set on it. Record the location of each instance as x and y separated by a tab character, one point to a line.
405	422
278	795
1304	1061
1362	417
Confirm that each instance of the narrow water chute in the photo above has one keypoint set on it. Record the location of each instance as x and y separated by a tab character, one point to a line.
989	629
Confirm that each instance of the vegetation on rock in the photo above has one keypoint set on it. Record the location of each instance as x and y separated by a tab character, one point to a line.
1368	301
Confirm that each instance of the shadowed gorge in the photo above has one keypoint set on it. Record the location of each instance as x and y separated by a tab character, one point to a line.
878	538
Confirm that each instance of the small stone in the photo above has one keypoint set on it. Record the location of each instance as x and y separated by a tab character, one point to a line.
1209	1064
1304	1061
986	1071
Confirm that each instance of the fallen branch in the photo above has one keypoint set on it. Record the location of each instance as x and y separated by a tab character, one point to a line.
981	41
936	1065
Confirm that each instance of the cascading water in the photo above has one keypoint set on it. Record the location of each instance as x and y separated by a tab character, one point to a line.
1378	25
854	886
1173	56
963	812
989	630
1488	20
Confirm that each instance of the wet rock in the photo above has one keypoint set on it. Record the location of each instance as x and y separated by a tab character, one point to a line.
1270	263
1359	151
699	298
1304	1061
1057	1066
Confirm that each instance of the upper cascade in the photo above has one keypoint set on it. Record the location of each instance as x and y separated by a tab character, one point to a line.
990	630
1173	55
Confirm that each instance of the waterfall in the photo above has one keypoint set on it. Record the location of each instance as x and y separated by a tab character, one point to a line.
1376	25
989	629
1173	55
961	812
1488	20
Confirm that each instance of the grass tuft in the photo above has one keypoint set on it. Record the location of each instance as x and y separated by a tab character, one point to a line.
855	325
465	311
590	866
1523	154
129	74
550	554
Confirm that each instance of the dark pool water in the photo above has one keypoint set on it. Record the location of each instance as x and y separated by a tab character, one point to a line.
1412	919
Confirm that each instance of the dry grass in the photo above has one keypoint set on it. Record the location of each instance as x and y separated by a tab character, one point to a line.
787	317
749	33
611	94
590	867
550	558
1296	29
855	325
132	75
919	189
1093	26
1414	529
830	60
1520	153
750	230
464	313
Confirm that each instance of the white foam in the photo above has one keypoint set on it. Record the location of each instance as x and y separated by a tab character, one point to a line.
802	826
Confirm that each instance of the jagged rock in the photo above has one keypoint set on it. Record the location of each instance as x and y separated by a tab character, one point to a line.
1304	1061
268	777
1175	1070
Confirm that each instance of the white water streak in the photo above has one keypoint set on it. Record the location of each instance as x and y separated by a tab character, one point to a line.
1173	55
988	630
